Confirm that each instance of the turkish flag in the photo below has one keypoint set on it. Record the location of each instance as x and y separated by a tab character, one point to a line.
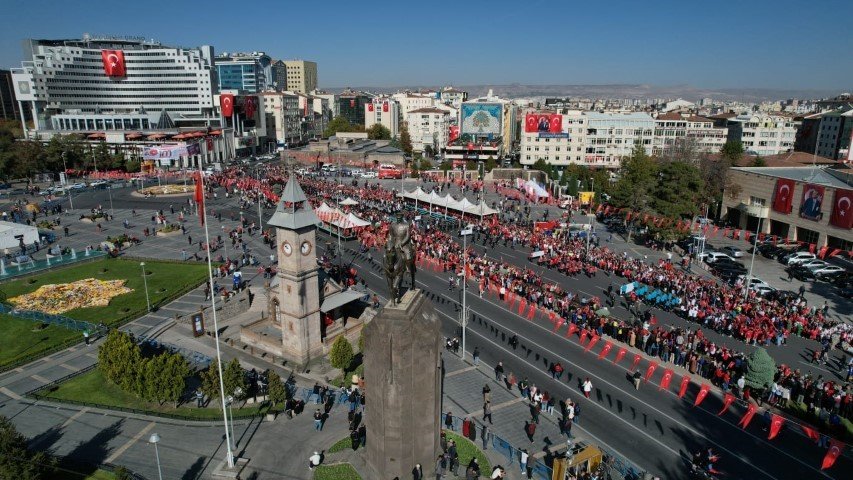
209	144
667	377
605	350
747	417
775	426
522	306
199	195
620	355
572	329
812	247
583	336
531	312
556	123
810	432
685	381
249	107
226	103
385	107
832	454
822	252
531	123
650	370
728	400
592	341
369	107
454	133
842	214
703	392
113	63
783	196
352	103
636	361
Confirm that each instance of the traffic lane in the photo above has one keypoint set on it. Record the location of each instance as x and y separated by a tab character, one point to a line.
797	352
637	408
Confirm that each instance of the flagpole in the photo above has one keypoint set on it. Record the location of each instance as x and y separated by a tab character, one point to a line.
230	455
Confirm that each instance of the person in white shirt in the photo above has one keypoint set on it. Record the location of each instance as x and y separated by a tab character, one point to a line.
314	460
587	387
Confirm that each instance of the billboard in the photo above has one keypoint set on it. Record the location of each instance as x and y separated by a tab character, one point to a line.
547	125
482	118
812	201
170	152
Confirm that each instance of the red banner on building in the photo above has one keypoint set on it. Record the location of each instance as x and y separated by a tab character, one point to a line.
370	107
783	197
543	123
249	107
812	201
113	63
842	214
453	133
226	103
385	107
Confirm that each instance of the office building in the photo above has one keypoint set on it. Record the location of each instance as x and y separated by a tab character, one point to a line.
279	75
351	105
384	111
8	104
556	138
833	136
672	127
763	133
301	75
245	72
428	129
612	136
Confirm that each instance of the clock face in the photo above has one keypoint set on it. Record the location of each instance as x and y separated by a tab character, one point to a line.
305	248
286	248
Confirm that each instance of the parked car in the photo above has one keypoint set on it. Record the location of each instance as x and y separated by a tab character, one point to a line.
797	258
733	252
368	174
827	270
801	273
713	257
841	279
813	264
763	290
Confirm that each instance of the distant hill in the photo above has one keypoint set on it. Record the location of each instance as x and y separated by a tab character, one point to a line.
686	92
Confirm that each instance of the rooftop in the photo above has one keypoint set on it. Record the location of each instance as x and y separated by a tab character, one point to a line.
816	175
429	110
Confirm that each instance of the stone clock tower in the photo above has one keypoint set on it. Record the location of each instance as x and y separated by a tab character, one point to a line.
297	295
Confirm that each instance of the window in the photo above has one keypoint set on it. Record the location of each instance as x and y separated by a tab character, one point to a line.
756	201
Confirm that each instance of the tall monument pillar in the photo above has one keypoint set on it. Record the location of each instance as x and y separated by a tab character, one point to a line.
402	368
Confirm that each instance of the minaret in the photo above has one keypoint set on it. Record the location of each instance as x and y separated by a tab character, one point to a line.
298	310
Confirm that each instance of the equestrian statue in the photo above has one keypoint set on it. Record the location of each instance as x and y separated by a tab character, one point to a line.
399	257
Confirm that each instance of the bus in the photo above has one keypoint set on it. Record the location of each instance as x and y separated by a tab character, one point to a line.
390	171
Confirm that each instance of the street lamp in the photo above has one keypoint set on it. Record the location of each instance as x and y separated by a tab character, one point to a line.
464	234
65	174
752	262
145	282
230	402
155	439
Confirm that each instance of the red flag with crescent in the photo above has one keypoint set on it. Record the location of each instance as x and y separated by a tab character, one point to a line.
249	107
636	362
385	106
620	355
522	306
605	350
226	103
198	196
113	63
584	333
685	381
572	329
783	196
703	392
810	432
842	213
747	417
728	400
593	339
531	312
832	454
650	370
556	123
370	107
667	377
776	423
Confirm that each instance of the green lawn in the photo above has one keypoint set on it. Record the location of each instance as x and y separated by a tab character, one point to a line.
340	471
340	445
466	450
18	339
92	387
165	282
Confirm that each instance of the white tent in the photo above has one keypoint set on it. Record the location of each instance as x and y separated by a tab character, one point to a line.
448	202
348	202
534	190
9	230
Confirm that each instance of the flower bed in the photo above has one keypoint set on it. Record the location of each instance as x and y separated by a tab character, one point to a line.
60	298
167	190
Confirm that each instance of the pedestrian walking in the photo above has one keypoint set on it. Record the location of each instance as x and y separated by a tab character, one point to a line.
86	337
476	356
487	393
318	420
448	421
499	371
522	461
577	417
314	460
587	387
487	411
636	379
440	466
418	472
453	455
530	430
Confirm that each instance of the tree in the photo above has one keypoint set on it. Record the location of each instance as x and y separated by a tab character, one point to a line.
339	124
681	150
341	355
760	369
732	151
175	377
405	139
758	161
276	389
637	181
17	462
678	190
235	380
425	165
378	132
119	358
445	165
490	164
361	341
210	381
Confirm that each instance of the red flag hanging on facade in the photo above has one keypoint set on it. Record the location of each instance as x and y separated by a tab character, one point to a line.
605	350
685	381
593	339
842	213
747	417
199	196
620	355
650	370
775	426
747	235
209	143
113	63
728	400
783	196
636	362
226	104
667	377
385	107
703	392
834	252
352	103
370	107
832	454
812	247
249	107
822	252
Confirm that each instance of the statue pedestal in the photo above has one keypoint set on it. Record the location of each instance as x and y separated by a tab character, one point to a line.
402	368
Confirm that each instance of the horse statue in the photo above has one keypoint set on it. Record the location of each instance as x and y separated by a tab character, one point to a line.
399	258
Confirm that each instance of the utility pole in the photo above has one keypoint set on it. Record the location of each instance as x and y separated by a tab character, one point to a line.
464	234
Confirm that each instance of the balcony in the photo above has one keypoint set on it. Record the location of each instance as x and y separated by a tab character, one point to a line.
758	211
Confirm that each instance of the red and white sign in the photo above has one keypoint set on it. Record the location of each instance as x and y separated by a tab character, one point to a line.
842	213
543	123
453	133
783	196
226	103
385	107
113	63
370	107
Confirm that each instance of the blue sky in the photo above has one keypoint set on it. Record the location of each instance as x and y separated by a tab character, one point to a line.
754	43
